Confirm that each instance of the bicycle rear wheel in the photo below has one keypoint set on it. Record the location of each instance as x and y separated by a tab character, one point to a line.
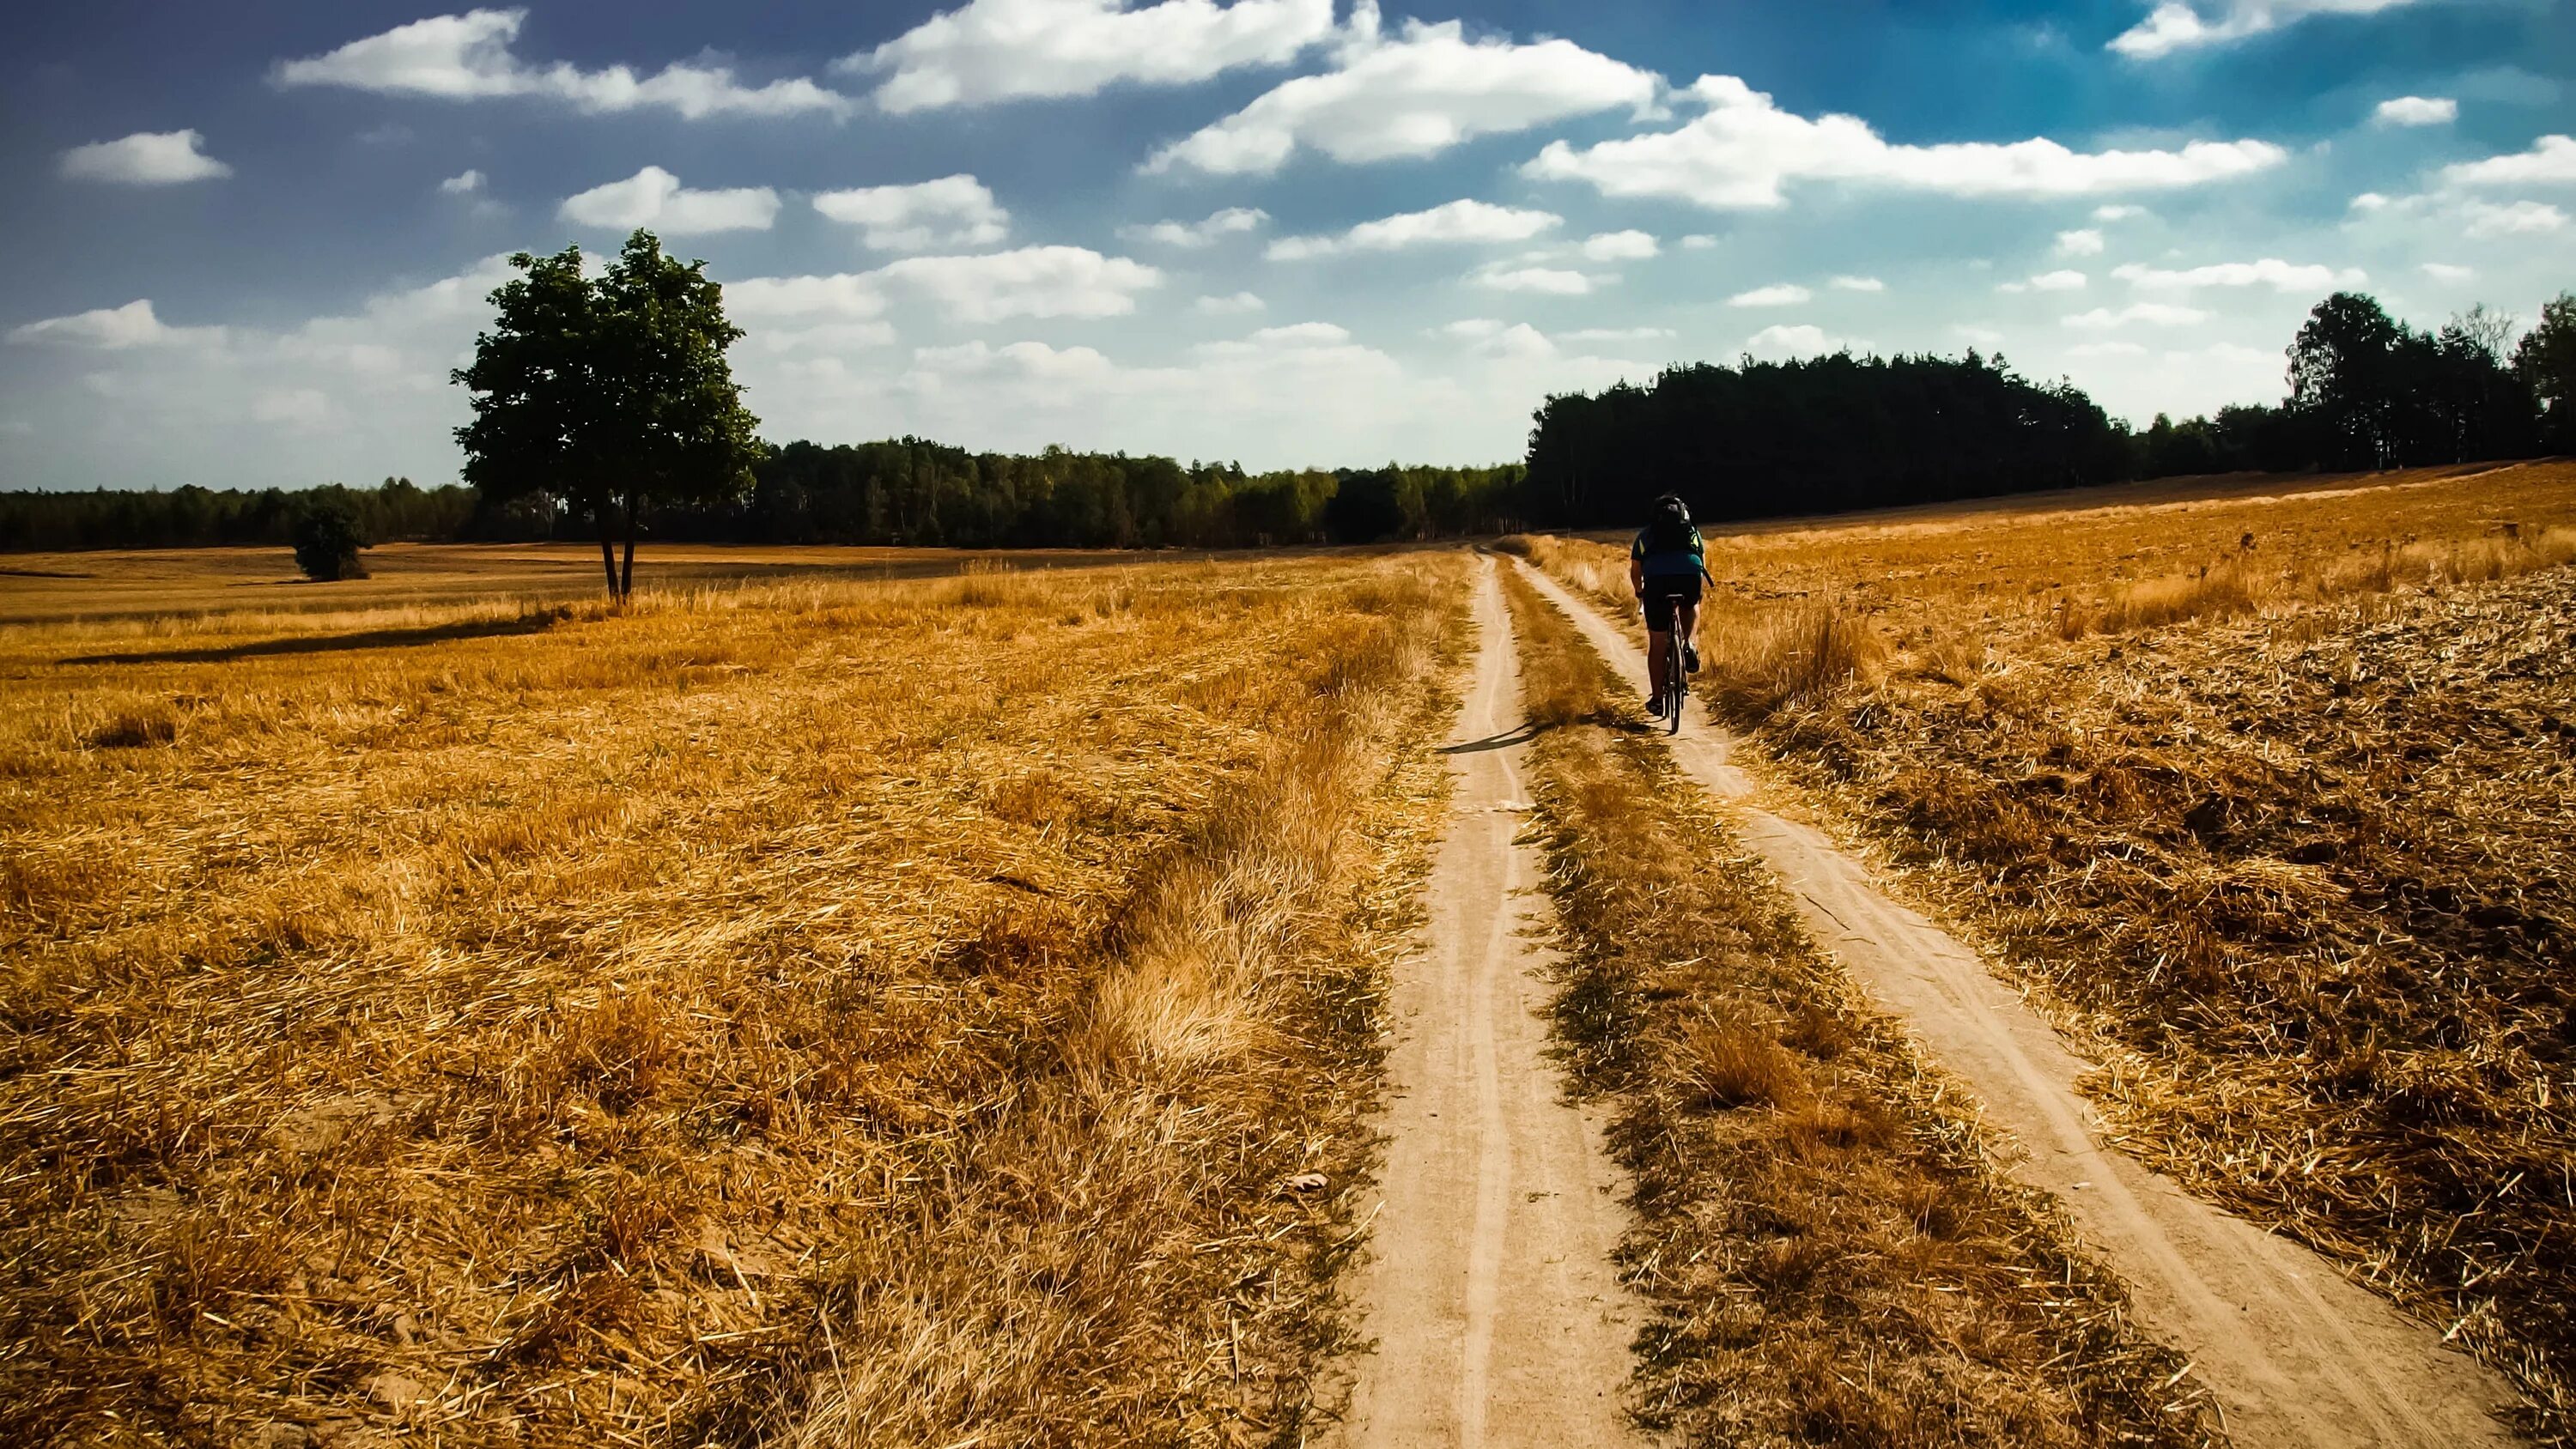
1676	683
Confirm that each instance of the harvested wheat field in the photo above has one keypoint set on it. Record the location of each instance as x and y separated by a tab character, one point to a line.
1831	1256
2264	801
812	1012
171	589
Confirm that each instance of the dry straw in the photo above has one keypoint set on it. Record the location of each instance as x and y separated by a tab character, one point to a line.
809	1011
2265	799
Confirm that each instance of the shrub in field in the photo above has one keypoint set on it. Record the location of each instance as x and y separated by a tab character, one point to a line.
327	540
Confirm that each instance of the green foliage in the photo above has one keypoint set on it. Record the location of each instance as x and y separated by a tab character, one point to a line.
2372	392
912	491
1820	435
327	539
2546	363
193	517
610	394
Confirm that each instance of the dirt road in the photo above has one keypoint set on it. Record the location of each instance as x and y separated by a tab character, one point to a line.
2293	1353
1489	1289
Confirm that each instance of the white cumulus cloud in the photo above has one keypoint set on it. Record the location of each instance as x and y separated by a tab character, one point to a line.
1619	246
998	50
2551	159
2063	280
146	158
1551	281
1744	150
2174	25
2270	272
2085	242
114	329
1617	334
2152	314
1799	339
654	197
1780	294
2446	272
1232	221
953	211
2117	211
468	57
465	183
2416	111
2519	218
1857	284
1462	221
1417	95
1232	306
1055	281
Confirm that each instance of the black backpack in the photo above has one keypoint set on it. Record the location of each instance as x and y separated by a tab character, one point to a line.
1668	531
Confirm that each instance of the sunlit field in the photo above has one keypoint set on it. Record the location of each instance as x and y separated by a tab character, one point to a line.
2267	798
806	1010
173	587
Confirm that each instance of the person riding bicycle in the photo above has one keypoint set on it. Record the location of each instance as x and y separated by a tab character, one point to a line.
1665	565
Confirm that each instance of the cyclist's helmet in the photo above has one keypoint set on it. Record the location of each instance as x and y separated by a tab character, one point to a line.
1671	506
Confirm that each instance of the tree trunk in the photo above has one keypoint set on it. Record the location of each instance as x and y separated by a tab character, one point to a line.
607	547
626	584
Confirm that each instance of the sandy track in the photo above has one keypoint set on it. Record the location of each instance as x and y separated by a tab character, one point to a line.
2293	1352
1489	1290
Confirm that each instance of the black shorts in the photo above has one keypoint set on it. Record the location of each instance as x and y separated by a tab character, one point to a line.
1662	594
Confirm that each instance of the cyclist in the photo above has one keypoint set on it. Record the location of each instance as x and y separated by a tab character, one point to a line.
1665	565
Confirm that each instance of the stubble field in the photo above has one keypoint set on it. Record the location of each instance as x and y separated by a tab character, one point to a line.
809	1011
2267	799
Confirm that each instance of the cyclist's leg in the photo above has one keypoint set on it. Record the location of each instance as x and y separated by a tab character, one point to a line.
1659	624
1686	619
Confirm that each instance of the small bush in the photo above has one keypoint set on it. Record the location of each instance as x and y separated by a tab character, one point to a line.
327	540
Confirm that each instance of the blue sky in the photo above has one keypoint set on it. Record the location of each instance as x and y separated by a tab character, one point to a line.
250	241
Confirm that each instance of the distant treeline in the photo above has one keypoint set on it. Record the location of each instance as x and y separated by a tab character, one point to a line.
1821	435
1833	434
905	491
2368	391
1754	439
909	491
193	517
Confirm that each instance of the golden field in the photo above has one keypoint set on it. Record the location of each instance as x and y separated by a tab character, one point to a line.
1812	1195
175	586
807	1011
2269	798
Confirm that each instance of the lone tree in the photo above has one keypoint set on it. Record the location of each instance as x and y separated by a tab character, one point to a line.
612	394
327	540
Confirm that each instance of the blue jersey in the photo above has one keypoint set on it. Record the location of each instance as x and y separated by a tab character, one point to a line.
1687	561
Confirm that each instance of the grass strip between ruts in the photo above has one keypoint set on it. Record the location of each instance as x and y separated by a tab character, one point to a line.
1832	1256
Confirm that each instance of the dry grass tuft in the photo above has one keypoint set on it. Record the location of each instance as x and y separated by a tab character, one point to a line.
792	1011
2267	800
1833	1259
1789	658
1731	1064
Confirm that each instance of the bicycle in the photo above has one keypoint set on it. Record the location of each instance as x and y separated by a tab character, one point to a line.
1676	679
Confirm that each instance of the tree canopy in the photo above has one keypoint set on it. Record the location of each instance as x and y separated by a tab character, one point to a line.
610	394
1820	435
2546	363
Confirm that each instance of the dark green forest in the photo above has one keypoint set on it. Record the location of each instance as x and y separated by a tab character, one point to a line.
1750	439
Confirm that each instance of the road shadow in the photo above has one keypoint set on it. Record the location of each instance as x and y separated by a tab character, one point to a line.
330	643
1528	730
1519	734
